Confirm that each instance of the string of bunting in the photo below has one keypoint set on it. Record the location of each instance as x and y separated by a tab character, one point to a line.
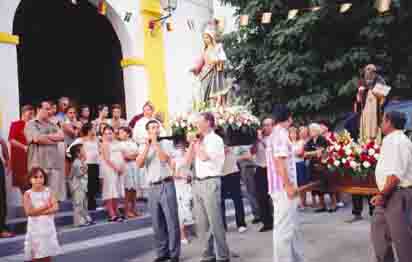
382	6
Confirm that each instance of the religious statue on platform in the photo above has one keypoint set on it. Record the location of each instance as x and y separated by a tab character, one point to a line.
370	99
209	70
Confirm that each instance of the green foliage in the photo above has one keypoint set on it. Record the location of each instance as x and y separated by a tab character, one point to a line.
312	62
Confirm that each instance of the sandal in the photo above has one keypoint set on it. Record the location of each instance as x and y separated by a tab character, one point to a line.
6	234
333	210
112	219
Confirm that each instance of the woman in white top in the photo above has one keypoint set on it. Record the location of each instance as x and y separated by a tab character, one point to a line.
132	181
91	146
302	178
183	176
103	113
231	188
113	168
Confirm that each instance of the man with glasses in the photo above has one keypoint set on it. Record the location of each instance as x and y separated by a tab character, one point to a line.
263	198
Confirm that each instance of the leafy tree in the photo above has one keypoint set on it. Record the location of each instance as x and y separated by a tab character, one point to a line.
312	62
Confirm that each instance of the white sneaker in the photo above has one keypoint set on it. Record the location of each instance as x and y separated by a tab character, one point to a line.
242	229
184	241
340	204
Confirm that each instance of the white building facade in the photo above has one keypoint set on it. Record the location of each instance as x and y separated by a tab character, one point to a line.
156	61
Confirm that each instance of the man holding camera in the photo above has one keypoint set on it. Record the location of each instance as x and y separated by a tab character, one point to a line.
208	152
155	158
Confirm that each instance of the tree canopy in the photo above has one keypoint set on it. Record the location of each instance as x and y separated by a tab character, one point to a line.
312	62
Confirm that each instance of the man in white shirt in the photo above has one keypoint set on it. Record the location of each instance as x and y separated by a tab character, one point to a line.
209	155
287	245
264	202
392	218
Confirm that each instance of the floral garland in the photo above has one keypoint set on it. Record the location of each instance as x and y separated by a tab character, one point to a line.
346	157
234	118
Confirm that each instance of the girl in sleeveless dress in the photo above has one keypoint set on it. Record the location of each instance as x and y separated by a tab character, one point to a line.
183	176
113	167
132	181
40	205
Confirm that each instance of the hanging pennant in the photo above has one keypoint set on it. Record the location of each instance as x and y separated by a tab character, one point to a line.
191	24
345	7
169	26
102	7
127	16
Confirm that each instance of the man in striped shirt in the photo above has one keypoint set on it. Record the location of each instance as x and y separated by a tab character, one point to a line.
283	189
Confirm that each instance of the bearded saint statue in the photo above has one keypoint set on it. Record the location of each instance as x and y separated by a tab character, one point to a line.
370	100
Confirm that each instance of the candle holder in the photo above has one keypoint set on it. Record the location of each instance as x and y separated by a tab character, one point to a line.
244	20
383	6
266	18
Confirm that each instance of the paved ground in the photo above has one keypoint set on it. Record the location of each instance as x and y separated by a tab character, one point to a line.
326	239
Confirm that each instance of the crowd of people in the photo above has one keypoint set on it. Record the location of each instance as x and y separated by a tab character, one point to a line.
56	146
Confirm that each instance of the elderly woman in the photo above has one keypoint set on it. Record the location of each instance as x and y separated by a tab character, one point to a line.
18	149
314	150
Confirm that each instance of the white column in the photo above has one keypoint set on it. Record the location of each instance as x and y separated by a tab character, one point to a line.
136	89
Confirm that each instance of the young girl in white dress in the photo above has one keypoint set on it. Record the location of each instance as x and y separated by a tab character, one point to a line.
78	186
132	181
40	205
183	176
113	168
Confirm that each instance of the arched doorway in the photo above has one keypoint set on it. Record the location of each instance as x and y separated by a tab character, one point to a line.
67	50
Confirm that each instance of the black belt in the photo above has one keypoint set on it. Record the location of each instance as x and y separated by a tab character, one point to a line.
404	188
205	178
166	180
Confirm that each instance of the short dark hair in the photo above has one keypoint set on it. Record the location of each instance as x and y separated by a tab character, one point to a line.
86	128
280	113
397	119
149	104
34	170
75	151
81	107
126	129
108	127
116	106
153	121
101	107
26	108
209	117
40	104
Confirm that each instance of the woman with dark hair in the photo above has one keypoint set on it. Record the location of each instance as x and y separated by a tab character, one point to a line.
84	114
102	115
113	168
91	147
132	177
18	149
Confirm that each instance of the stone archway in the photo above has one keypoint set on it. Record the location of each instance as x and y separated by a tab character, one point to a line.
67	50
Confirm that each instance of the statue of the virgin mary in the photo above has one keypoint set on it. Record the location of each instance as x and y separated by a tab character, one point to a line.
209	70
